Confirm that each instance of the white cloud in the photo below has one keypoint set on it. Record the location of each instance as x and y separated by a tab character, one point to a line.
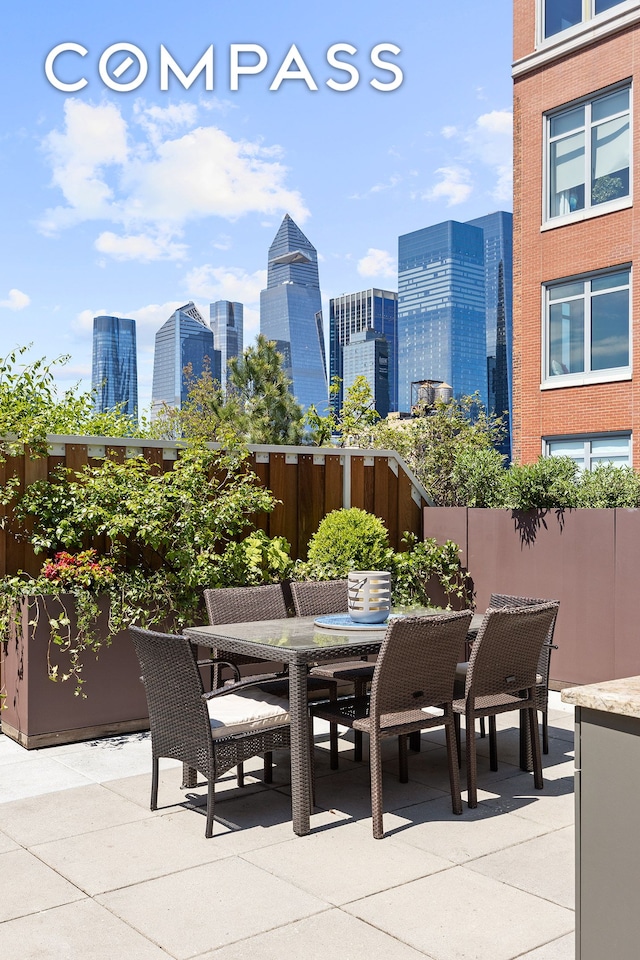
142	247
488	141
230	283
455	186
17	300
152	175
377	263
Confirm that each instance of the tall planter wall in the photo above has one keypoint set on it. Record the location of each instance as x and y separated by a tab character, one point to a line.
586	559
39	712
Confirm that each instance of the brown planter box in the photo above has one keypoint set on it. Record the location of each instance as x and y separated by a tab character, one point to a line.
40	712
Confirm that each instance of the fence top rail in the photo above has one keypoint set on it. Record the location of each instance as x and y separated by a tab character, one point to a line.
54	440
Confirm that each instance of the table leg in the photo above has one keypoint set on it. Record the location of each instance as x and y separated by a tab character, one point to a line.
300	749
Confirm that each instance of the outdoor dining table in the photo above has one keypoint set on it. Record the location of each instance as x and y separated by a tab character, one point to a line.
298	642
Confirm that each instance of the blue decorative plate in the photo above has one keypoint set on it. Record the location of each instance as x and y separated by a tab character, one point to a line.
342	621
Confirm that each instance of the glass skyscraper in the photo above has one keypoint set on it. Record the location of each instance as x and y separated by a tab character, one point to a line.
498	266
114	371
353	313
367	355
184	341
291	313
441	310
226	319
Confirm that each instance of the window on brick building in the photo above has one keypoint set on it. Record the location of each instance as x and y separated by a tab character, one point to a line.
589	451
588	155
586	329
559	15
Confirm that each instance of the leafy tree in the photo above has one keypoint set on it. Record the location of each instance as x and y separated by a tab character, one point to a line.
260	387
355	422
549	482
608	485
31	406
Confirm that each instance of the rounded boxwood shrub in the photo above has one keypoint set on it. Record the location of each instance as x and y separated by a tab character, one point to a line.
347	540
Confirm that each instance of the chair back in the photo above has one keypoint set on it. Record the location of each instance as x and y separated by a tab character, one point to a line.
505	654
506	600
416	665
237	604
178	715
311	598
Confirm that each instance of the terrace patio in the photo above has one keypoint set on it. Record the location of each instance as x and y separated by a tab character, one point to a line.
87	870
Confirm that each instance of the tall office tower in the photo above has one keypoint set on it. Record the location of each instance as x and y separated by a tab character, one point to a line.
441	310
498	273
352	313
291	313
226	319
184	341
367	355
114	371
575	316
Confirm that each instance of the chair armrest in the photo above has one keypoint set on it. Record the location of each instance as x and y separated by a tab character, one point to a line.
263	682
211	661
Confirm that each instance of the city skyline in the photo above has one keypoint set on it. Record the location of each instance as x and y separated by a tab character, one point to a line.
131	204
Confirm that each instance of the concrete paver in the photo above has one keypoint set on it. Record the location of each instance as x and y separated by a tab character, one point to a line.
87	870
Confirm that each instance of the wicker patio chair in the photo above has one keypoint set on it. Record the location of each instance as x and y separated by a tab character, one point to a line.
502	676
243	604
412	690
209	732
317	598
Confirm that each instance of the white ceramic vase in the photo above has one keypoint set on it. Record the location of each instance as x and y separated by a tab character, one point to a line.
369	595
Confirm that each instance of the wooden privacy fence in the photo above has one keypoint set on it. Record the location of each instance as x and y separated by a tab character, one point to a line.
309	482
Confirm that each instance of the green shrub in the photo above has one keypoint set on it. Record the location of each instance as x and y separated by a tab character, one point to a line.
548	483
415	567
255	560
479	478
346	540
609	486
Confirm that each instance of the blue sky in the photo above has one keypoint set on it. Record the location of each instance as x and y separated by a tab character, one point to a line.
131	203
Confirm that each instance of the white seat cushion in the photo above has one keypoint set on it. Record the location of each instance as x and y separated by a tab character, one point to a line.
245	711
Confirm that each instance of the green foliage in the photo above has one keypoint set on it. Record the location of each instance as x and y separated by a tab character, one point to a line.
478	477
549	482
433	445
255	560
423	560
608	485
31	407
346	540
356	421
258	406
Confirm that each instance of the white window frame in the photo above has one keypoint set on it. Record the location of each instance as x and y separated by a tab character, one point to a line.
551	381
550	221
587	440
590	20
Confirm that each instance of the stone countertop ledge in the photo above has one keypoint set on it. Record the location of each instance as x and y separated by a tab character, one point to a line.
611	696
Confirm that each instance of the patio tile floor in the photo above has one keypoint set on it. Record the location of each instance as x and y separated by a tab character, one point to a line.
87	870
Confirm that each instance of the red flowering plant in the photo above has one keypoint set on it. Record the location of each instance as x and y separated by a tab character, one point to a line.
81	569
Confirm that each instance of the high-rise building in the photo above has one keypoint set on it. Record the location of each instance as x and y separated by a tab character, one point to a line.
441	310
575	391
498	274
226	319
184	350
353	313
114	371
291	313
367	355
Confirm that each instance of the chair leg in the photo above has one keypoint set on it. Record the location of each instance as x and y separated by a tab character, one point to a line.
240	774
268	767
545	732
210	798
154	783
415	741
493	744
360	690
483	731
472	764
456	726
402	759
333	732
534	735
375	763
454	772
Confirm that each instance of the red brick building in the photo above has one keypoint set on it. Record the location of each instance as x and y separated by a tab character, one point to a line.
576	271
